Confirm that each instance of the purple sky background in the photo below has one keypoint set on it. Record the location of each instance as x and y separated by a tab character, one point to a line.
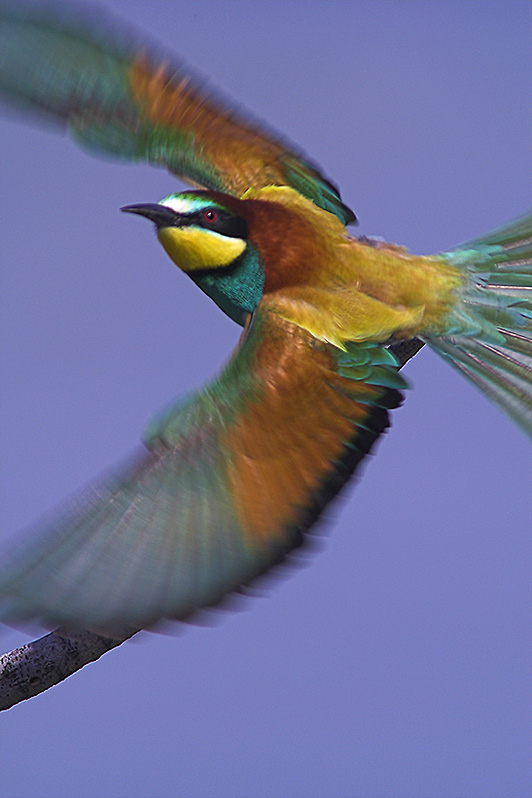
397	663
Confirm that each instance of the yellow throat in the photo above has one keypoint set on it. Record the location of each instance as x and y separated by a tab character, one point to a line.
192	248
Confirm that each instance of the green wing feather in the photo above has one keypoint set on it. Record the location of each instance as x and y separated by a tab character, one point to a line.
219	496
121	97
490	336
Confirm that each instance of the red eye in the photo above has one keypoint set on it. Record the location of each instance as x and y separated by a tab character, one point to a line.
210	215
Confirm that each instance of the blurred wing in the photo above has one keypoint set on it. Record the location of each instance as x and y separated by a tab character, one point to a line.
231	480
118	96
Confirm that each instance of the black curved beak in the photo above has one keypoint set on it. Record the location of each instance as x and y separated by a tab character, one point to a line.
160	215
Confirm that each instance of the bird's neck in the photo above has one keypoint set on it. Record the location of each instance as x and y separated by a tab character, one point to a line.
237	289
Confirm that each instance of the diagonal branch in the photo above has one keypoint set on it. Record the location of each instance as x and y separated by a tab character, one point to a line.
34	667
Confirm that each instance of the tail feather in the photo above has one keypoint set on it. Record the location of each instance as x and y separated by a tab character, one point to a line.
491	339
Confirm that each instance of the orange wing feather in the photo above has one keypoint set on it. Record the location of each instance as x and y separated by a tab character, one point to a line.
305	431
220	139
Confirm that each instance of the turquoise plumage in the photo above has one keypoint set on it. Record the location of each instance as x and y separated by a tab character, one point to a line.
491	332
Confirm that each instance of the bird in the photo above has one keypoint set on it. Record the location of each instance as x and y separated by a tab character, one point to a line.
231	479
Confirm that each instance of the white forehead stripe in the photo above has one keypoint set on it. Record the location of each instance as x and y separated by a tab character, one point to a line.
179	204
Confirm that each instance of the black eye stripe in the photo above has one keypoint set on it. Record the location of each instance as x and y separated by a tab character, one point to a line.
225	223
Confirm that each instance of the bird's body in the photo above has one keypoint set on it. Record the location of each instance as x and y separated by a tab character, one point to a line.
338	287
298	261
234	476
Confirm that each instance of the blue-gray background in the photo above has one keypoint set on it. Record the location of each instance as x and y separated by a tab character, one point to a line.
397	663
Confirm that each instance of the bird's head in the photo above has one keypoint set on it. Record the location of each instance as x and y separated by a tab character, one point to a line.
207	235
238	249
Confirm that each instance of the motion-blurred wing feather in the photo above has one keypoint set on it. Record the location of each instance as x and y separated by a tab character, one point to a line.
120	97
231	480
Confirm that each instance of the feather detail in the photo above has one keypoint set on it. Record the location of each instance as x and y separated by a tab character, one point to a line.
489	336
341	315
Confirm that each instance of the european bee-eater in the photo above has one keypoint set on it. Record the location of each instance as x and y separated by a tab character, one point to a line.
233	477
